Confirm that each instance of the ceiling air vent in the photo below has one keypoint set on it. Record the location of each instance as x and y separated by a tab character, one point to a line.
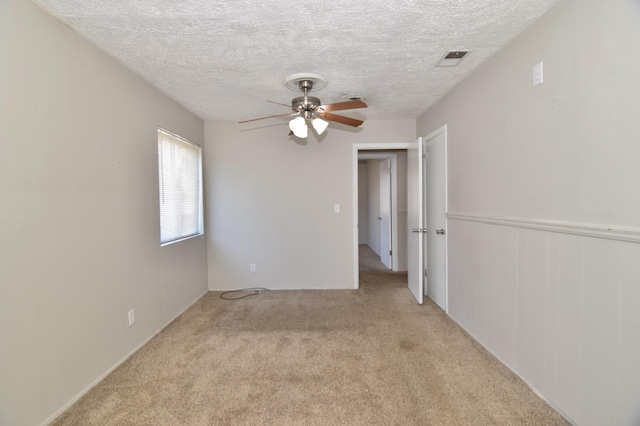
452	58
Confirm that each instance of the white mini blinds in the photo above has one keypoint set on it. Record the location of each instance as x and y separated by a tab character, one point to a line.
179	167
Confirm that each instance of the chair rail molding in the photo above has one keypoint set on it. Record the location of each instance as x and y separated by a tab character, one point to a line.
611	232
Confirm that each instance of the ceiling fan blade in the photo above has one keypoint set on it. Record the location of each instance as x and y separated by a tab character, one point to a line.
356	103
278	103
270	116
341	119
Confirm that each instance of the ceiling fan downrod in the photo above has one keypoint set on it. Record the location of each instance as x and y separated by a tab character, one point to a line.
306	86
305	105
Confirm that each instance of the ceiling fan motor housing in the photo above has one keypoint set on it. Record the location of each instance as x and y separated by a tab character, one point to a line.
299	104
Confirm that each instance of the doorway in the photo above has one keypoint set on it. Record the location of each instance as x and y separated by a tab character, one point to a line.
391	225
375	199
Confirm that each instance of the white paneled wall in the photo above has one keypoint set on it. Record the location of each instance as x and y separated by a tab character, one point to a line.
561	310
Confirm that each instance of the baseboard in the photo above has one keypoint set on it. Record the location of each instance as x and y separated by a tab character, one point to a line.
223	290
116	365
533	388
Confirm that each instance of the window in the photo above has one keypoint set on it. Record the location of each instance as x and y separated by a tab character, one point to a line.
179	168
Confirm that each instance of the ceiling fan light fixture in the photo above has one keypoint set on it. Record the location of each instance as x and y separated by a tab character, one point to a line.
320	125
299	127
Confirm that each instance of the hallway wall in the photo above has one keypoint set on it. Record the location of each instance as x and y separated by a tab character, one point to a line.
363	204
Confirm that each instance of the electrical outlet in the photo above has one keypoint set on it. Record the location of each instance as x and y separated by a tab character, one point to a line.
252	267
132	317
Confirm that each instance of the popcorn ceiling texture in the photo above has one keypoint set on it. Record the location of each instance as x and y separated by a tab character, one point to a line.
222	59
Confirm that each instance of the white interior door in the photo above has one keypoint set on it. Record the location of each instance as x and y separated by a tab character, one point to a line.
385	213
435	196
415	217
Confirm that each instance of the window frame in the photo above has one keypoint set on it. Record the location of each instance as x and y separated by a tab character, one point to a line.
177	139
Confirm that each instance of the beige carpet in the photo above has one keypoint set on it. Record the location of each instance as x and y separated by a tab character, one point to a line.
365	357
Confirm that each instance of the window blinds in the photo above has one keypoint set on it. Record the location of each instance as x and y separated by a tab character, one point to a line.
180	188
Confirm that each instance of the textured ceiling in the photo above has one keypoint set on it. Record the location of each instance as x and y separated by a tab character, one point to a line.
222	59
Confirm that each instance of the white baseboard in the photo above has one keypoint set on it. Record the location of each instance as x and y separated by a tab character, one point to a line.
116	365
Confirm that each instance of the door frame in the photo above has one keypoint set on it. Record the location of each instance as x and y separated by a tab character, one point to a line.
393	200
357	147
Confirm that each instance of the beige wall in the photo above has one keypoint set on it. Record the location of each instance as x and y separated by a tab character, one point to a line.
270	202
537	176
567	146
79	228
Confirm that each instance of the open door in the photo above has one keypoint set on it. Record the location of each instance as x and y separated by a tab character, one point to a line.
415	218
385	213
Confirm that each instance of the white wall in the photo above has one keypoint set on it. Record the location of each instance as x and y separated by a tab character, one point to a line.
79	235
528	166
363	203
373	208
270	202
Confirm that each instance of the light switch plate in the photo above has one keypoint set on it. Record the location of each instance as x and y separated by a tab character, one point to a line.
538	77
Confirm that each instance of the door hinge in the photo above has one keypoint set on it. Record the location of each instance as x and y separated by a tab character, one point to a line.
425	273
390	253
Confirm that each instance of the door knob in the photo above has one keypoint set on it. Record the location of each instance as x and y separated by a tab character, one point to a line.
440	231
419	230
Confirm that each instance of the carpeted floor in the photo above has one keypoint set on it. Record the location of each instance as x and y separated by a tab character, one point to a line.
340	357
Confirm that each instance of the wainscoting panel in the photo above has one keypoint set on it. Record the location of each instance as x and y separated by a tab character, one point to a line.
570	267
628	402
560	309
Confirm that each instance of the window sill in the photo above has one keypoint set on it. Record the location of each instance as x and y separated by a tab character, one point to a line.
168	243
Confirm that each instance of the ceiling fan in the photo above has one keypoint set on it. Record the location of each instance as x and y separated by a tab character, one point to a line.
308	109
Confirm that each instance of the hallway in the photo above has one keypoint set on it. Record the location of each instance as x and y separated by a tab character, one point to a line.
373	272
